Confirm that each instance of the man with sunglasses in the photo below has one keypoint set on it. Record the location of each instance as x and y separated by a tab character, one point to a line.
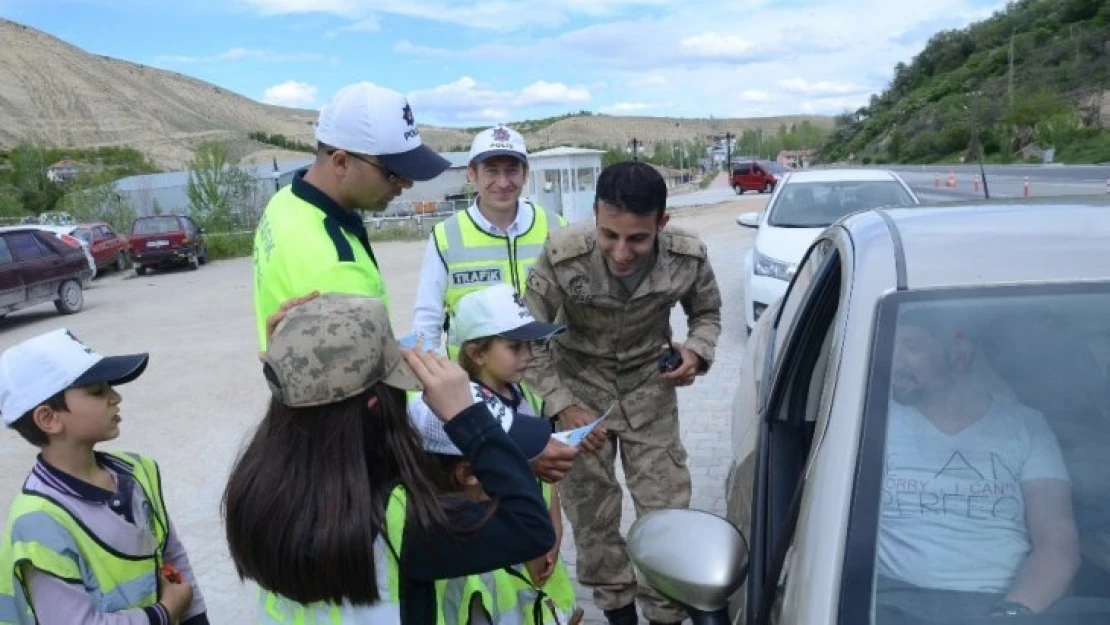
311	236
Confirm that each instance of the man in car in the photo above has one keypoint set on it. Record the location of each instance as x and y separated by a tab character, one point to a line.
977	501
311	237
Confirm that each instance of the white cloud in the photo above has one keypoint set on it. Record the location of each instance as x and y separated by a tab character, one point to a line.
715	45
624	108
820	87
291	93
754	95
648	80
242	54
467	100
494	15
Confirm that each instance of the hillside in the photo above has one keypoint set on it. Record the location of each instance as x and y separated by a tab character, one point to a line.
56	95
959	89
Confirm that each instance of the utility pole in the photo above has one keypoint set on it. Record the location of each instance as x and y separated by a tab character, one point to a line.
1011	77
728	152
635	144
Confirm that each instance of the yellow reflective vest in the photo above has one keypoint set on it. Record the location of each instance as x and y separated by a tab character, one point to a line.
476	259
43	534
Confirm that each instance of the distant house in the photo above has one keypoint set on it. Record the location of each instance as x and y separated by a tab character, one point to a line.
795	159
672	176
63	170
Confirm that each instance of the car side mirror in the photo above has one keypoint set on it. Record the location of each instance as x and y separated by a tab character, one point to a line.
748	220
696	559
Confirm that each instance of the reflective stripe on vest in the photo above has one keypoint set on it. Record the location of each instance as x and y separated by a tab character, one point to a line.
277	610
45	535
476	259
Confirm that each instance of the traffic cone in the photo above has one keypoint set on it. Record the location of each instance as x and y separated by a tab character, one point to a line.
952	179
1025	188
976	180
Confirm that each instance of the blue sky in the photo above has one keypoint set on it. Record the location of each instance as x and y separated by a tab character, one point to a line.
472	62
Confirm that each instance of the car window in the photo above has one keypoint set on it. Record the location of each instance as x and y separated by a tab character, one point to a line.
986	430
25	246
106	233
786	439
84	234
743	169
5	251
156	225
796	291
818	204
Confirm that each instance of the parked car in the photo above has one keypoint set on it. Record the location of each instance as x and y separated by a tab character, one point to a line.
762	176
108	248
805	204
67	235
925	409
165	240
36	267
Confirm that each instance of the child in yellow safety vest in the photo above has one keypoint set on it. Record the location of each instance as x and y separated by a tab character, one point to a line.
495	333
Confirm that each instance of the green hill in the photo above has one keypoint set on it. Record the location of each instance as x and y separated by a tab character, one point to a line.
961	87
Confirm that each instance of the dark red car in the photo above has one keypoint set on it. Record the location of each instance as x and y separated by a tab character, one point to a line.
36	267
166	240
107	247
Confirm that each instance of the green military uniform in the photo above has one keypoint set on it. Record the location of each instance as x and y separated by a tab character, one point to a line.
610	353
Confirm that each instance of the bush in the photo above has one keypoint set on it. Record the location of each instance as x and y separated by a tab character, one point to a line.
229	245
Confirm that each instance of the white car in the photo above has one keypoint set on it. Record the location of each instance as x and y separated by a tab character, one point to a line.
802	206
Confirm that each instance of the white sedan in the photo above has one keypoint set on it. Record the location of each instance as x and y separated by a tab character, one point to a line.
804	204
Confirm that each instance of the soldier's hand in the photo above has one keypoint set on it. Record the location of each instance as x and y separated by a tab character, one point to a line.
555	461
575	417
446	385
684	374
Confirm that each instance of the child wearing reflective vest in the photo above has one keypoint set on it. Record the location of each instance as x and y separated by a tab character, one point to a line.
329	508
495	333
88	539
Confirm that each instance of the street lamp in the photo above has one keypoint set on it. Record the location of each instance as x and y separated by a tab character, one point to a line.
977	144
635	144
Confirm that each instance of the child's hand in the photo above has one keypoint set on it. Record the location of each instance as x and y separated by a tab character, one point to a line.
176	596
541	568
273	320
446	384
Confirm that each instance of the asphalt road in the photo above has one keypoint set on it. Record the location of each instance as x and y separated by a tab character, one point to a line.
930	182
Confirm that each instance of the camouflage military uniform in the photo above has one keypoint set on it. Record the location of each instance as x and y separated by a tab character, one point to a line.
610	353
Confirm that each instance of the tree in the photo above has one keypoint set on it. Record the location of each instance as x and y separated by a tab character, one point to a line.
36	192
217	190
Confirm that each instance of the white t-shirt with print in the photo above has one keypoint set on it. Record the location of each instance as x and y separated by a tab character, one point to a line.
953	514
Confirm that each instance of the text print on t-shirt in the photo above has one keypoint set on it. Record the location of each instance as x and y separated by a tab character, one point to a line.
971	484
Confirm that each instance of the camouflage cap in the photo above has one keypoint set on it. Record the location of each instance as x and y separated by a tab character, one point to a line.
332	348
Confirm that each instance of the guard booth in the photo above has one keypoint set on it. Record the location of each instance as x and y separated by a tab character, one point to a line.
564	180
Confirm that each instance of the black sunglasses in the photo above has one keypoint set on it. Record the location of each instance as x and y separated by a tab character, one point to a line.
389	175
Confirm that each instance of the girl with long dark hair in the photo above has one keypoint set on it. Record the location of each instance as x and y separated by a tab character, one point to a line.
329	508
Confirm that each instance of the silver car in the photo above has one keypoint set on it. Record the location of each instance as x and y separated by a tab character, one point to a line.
922	431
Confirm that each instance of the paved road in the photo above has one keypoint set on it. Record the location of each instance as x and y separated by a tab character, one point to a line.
203	392
1005	181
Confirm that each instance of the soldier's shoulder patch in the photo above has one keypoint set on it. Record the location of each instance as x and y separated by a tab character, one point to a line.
684	243
537	283
571	242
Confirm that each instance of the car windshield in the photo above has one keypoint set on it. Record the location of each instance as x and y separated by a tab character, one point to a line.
156	225
818	204
995	467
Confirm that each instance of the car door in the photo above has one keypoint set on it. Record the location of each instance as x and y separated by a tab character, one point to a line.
12	291
792	392
105	246
41	268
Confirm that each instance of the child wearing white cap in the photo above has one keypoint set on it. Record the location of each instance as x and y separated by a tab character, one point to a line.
495	333
88	538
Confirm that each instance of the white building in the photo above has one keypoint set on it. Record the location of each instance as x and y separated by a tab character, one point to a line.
564	179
